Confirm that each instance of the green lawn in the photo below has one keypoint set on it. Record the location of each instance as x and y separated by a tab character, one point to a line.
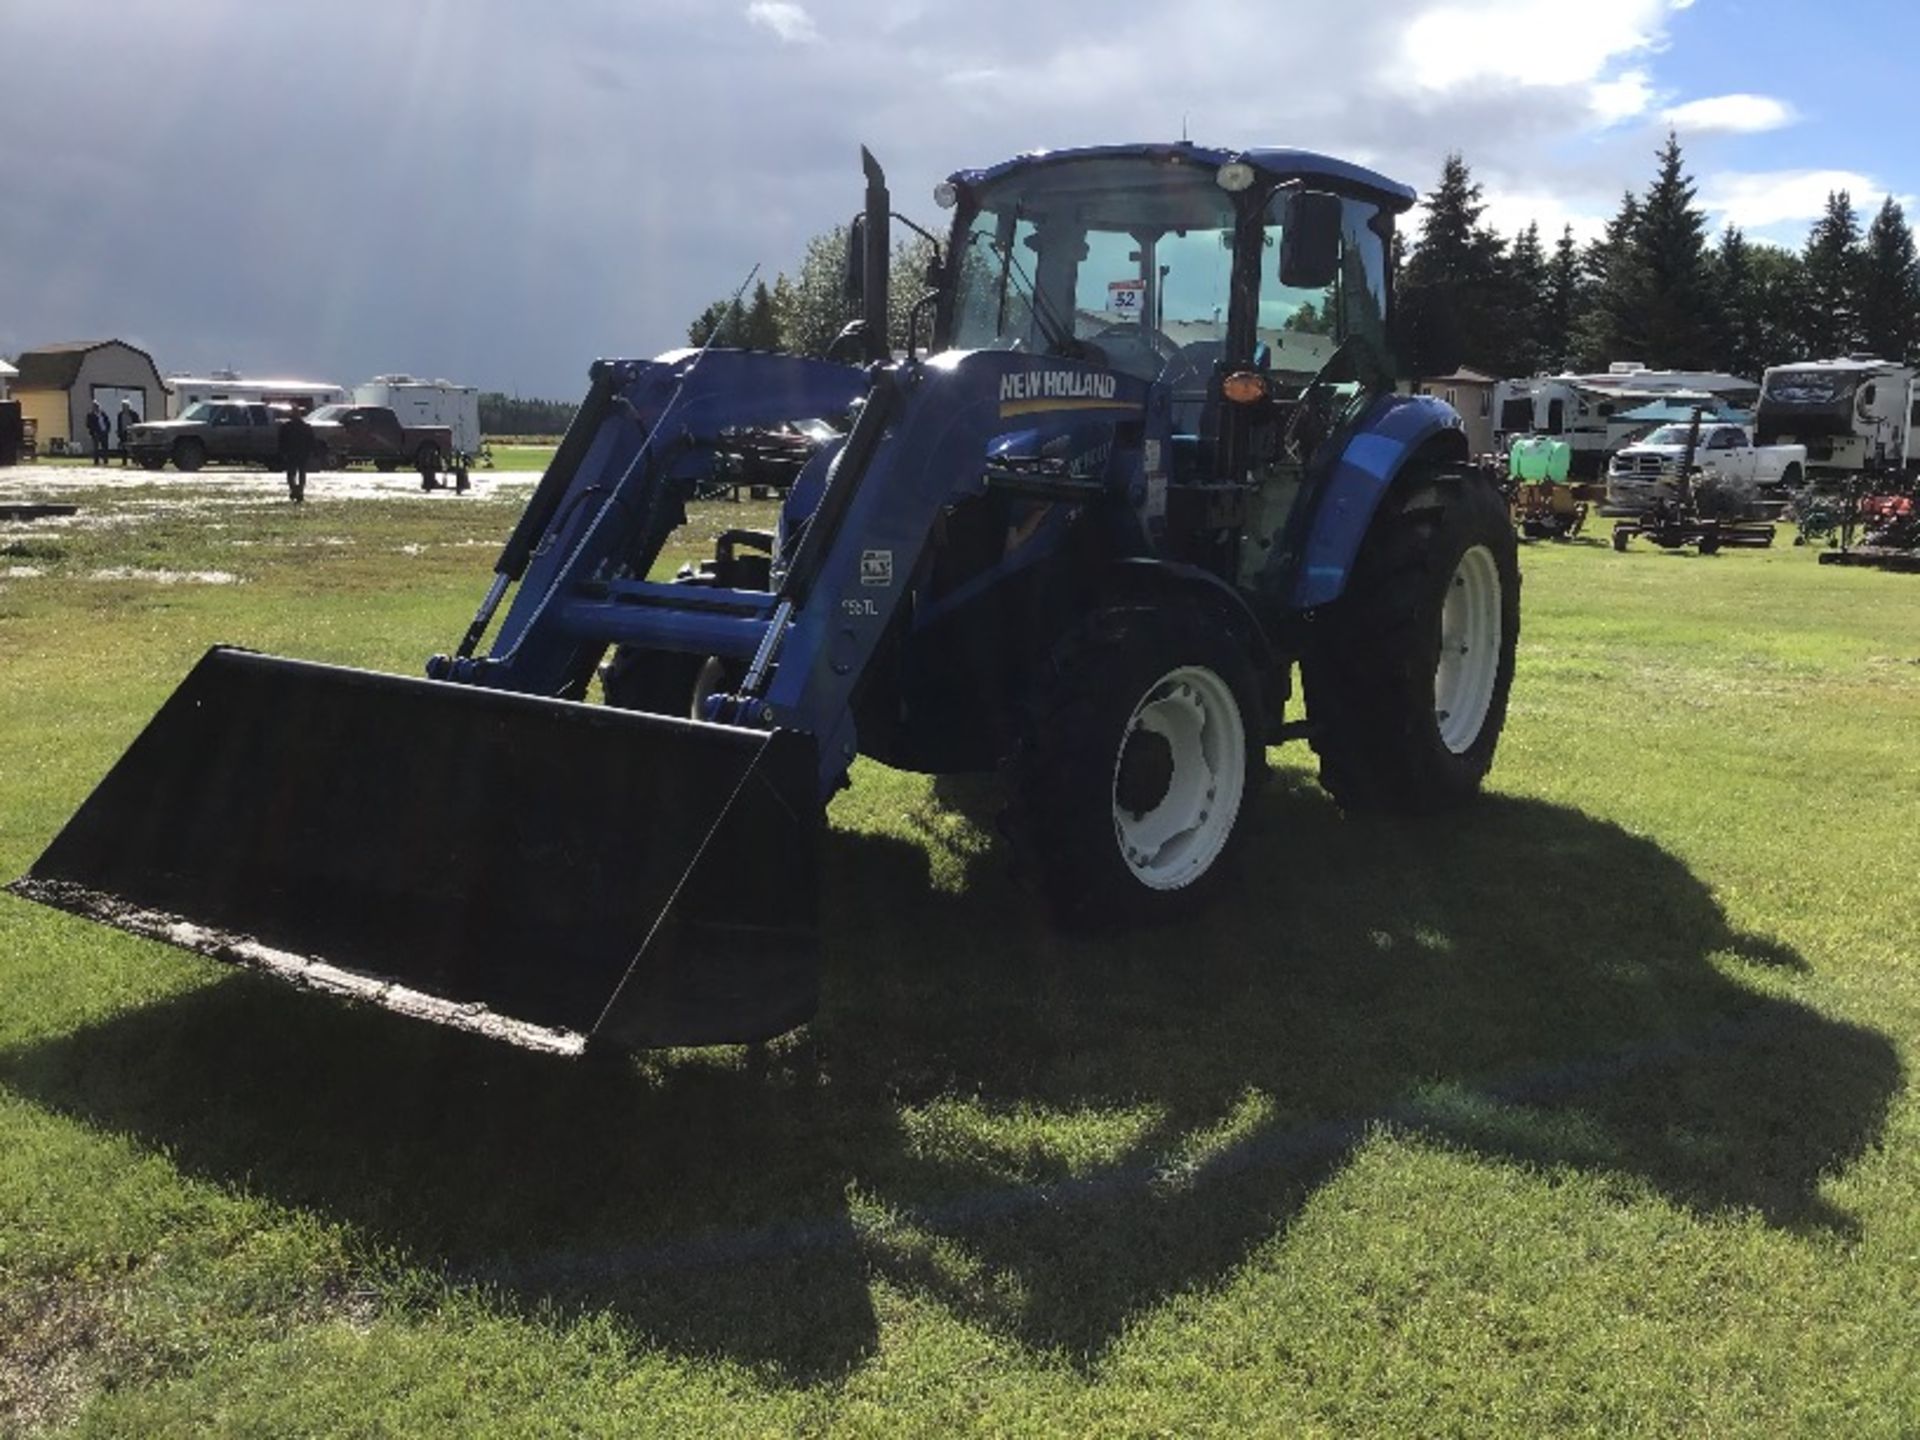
521	457
1583	1112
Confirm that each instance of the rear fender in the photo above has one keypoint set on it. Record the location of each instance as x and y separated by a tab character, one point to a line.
1396	430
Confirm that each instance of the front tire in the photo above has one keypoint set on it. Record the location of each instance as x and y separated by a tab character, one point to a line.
1143	742
189	456
1407	683
659	682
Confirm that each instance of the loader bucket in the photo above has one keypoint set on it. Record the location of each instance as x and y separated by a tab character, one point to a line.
538	871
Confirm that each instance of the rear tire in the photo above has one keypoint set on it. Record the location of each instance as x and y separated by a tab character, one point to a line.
1407	683
153	462
1143	742
189	456
386	466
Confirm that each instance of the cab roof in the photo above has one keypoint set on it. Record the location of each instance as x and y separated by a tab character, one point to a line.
1277	164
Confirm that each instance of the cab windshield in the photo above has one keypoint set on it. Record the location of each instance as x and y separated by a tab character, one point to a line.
199	410
1668	435
329	412
1129	262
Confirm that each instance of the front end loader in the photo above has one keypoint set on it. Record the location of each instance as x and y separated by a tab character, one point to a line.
1151	465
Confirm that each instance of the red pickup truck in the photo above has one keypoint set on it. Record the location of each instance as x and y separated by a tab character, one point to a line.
345	433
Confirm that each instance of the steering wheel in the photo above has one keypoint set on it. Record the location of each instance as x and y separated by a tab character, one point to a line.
1163	346
1315	399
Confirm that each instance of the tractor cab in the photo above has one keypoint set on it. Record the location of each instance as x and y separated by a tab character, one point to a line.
1232	279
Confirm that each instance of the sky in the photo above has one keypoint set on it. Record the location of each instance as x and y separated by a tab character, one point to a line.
499	191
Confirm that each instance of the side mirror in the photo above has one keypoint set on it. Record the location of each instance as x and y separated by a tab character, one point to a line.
1310	243
854	285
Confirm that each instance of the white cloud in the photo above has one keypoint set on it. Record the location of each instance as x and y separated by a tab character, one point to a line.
1511	211
1771	197
1622	97
1528	42
1535	44
1737	114
789	21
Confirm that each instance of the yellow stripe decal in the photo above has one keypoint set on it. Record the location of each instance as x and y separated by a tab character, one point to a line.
1011	408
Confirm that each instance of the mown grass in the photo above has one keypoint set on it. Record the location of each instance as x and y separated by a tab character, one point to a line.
1583	1112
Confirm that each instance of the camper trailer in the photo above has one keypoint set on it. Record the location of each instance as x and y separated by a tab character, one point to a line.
184	391
1855	416
1588	411
428	402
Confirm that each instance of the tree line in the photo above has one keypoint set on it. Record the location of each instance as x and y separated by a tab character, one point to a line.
1652	288
800	314
510	415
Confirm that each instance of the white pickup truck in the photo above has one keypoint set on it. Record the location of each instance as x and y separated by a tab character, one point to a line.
1734	477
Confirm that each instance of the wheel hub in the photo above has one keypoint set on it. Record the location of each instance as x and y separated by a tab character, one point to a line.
1178	778
1146	772
1470	643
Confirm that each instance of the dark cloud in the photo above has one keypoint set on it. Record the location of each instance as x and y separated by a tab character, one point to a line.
500	190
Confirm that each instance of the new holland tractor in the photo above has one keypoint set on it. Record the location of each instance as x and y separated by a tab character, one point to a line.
1150	465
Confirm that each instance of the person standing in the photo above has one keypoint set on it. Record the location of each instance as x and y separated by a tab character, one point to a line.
128	419
296	448
99	430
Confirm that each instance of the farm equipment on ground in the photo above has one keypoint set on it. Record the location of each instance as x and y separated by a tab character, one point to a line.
1544	502
1086	539
1889	526
1691	509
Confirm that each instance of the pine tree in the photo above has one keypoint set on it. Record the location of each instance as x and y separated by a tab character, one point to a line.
1528	346
1780	285
1831	264
761	330
1670	310
1889	293
723	324
1741	305
1603	331
1452	283
1561	306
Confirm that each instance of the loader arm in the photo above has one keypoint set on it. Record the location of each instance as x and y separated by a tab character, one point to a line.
921	442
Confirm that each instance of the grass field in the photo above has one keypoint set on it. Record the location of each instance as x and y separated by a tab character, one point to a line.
1585	1112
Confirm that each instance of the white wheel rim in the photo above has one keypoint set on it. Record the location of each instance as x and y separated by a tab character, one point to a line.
1469	650
1174	843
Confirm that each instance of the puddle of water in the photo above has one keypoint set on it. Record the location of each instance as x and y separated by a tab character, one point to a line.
167	577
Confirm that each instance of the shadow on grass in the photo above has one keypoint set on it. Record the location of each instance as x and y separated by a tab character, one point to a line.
1519	981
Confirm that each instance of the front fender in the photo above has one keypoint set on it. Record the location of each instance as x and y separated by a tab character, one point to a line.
1394	430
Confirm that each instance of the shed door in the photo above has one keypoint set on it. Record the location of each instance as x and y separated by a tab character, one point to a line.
110	397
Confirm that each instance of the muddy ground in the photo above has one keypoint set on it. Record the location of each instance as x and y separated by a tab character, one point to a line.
27	484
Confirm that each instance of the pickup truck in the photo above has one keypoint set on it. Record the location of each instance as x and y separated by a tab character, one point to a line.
345	433
228	430
1735	478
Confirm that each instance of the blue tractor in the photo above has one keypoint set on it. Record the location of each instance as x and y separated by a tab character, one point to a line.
1151	464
